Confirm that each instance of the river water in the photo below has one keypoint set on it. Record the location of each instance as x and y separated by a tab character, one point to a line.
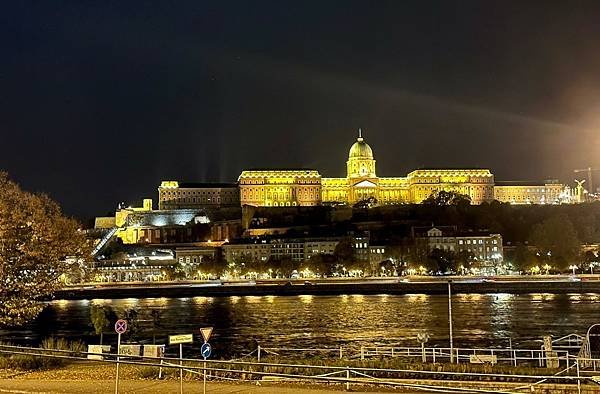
332	321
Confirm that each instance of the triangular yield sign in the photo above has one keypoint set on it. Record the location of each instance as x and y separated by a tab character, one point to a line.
206	332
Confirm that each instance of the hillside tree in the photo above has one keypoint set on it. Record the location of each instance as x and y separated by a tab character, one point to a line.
38	244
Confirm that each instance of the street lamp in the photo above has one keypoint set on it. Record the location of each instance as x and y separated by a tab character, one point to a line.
573	267
450	321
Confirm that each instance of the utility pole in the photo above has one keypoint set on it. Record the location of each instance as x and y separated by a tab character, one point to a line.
450	320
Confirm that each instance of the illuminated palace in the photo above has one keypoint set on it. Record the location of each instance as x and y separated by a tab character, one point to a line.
306	187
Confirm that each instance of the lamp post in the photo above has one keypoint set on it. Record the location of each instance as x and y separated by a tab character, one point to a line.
573	267
450	321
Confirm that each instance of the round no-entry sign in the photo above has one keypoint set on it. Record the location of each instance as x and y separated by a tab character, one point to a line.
121	326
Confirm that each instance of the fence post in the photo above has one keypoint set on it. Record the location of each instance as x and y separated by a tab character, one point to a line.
362	352
341	354
347	378
433	351
457	357
515	357
258	353
578	378
392	352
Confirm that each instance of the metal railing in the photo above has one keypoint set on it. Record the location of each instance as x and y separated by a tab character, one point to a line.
513	357
436	381
510	356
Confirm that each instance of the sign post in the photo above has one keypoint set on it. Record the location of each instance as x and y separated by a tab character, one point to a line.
180	368
450	321
181	339
423	337
205	350
120	328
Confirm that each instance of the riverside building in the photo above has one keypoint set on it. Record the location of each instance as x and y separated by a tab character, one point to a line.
482	246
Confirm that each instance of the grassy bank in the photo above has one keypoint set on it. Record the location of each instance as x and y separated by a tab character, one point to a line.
27	362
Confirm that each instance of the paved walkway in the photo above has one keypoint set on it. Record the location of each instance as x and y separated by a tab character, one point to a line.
152	387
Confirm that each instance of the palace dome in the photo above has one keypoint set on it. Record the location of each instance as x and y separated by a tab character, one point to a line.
360	149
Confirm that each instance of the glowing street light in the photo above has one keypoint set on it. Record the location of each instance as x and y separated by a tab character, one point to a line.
573	267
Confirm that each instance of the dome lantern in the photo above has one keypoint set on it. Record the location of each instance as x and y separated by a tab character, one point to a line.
360	149
361	163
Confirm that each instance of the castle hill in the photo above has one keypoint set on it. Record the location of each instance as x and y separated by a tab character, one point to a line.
300	197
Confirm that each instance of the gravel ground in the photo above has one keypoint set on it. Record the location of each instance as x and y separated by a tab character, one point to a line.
99	378
130	386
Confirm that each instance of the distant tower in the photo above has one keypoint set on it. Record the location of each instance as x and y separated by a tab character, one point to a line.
360	162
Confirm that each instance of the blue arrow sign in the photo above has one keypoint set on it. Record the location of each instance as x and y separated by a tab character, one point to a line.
206	350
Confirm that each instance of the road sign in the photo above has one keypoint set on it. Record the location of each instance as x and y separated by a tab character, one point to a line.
206	350
182	338
483	359
206	332
121	326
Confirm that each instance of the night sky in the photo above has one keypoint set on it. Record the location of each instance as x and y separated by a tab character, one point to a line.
100	101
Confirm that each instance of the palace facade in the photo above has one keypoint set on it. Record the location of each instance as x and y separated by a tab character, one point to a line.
303	187
306	187
176	195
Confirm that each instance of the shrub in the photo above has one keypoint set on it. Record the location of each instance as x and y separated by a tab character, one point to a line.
29	362
149	372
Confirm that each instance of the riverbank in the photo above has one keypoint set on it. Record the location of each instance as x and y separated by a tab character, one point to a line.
365	287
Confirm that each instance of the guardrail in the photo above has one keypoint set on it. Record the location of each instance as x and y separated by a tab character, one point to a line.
515	357
437	381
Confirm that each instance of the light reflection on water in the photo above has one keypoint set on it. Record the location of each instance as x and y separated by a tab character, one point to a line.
306	299
330	321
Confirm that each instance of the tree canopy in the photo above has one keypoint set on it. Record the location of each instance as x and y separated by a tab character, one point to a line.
443	197
556	238
37	245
